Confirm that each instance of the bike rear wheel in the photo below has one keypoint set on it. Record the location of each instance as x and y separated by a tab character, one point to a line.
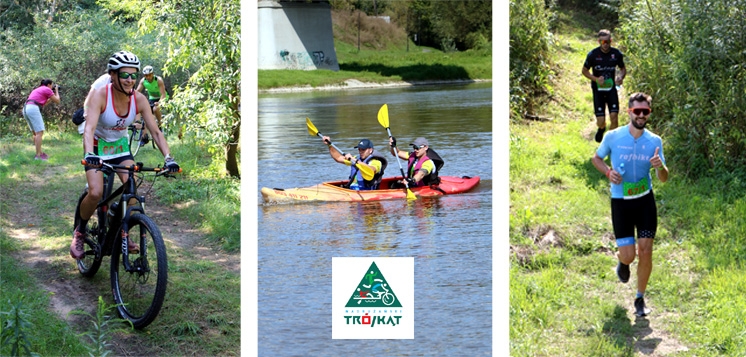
91	262
139	294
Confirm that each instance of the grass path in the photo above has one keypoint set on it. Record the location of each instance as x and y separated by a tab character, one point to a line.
565	299
203	298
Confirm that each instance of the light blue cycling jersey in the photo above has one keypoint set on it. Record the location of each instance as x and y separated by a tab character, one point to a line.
631	158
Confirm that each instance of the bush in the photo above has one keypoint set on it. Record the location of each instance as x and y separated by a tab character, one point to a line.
73	52
530	65
682	53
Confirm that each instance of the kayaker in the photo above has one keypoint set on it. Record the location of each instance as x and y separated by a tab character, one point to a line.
368	157
421	169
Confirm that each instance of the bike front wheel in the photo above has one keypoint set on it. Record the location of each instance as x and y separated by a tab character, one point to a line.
135	137
139	293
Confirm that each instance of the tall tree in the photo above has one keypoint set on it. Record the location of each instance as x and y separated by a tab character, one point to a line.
203	37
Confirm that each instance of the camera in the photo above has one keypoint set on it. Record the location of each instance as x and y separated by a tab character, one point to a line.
57	86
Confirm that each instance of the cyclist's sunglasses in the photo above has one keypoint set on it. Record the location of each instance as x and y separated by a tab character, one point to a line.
603	42
125	75
640	111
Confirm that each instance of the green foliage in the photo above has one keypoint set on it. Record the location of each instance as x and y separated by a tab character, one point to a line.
203	37
530	64
14	331
71	51
604	12
448	25
103	327
682	52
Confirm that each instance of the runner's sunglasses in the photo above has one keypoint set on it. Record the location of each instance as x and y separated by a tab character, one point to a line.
640	111
603	42
125	75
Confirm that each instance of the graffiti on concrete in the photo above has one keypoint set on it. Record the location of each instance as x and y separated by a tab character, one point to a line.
305	60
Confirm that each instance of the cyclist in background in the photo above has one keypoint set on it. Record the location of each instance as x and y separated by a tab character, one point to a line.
156	91
111	109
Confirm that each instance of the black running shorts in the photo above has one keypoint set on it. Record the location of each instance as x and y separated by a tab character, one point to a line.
603	98
640	213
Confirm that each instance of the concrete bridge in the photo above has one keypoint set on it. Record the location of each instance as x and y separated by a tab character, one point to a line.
296	35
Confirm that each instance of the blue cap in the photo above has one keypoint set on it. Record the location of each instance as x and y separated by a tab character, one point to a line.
364	144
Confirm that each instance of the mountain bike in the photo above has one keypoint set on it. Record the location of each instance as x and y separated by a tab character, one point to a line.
138	280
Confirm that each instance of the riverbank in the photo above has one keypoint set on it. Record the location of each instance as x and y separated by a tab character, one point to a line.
357	84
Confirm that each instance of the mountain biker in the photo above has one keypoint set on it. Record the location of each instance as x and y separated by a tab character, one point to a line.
156	91
368	157
632	200
422	170
604	60
105	136
45	92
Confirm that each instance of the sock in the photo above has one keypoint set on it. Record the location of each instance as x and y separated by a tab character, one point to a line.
83	225
639	295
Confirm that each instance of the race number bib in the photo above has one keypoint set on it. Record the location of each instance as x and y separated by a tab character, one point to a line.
114	149
635	189
607	85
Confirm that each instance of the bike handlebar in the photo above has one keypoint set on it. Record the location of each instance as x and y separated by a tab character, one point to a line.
138	167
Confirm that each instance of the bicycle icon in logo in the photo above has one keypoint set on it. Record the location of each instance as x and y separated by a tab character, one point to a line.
374	294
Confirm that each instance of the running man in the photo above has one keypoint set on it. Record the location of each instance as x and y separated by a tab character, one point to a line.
633	152
604	60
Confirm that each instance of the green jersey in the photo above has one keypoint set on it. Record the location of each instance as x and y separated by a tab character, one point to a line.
154	92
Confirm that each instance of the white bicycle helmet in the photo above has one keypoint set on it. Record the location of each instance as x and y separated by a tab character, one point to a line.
147	70
123	59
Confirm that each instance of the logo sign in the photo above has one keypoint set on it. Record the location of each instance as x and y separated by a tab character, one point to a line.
373	298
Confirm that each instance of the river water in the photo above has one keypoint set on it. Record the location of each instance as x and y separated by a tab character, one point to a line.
449	237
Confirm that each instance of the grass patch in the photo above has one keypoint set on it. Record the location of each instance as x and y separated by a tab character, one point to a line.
48	336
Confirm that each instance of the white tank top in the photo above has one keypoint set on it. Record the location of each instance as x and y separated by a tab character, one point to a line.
111	125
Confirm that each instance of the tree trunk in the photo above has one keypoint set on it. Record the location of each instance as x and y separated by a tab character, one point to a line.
231	152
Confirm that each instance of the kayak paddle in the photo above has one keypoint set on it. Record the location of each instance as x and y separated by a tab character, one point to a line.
367	172
383	119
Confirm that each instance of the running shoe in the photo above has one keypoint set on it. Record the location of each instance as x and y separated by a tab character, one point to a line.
132	247
622	272
640	309
600	134
44	156
77	247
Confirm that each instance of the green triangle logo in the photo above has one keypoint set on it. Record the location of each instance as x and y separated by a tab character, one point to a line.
373	291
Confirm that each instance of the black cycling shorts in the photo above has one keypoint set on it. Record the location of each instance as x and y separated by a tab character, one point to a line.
640	213
114	161
603	98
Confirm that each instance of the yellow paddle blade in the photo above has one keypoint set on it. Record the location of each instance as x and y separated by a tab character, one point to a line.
311	128
367	172
383	115
410	195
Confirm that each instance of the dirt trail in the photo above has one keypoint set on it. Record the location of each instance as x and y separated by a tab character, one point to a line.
68	289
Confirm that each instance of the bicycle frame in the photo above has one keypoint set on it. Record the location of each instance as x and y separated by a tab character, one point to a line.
122	210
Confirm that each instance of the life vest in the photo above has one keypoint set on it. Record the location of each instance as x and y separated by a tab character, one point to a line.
432	178
373	183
